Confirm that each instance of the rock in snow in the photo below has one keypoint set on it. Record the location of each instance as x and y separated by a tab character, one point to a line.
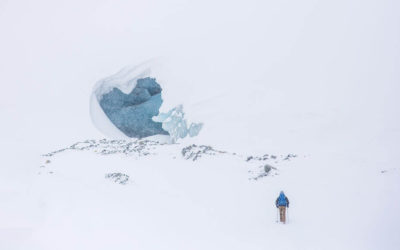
119	178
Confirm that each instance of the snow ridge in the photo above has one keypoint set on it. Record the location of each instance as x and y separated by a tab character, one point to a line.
259	166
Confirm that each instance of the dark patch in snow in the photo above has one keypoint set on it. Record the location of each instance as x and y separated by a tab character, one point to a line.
268	168
289	156
119	178
266	171
260	158
107	147
270	157
194	152
249	158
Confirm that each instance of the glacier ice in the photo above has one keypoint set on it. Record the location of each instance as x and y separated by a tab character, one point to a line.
126	105
131	113
175	123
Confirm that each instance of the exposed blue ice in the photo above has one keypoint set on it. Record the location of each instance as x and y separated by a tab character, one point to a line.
132	113
175	123
127	104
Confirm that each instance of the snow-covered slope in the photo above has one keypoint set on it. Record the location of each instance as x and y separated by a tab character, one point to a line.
318	79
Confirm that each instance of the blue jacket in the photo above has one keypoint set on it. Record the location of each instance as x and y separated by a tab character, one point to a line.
282	200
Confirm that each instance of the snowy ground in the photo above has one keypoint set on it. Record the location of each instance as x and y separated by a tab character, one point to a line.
318	79
170	202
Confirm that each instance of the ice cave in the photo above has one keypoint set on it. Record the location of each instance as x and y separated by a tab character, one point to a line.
127	104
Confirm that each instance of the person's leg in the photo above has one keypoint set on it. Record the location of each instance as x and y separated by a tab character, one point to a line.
281	213
284	214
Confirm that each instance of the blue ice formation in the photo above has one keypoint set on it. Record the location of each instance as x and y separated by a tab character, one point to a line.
175	123
132	113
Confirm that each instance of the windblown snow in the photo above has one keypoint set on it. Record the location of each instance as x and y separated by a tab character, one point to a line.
256	97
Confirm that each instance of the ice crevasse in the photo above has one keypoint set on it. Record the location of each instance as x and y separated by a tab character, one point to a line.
127	104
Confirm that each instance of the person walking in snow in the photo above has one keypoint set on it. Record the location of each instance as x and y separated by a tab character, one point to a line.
282	202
